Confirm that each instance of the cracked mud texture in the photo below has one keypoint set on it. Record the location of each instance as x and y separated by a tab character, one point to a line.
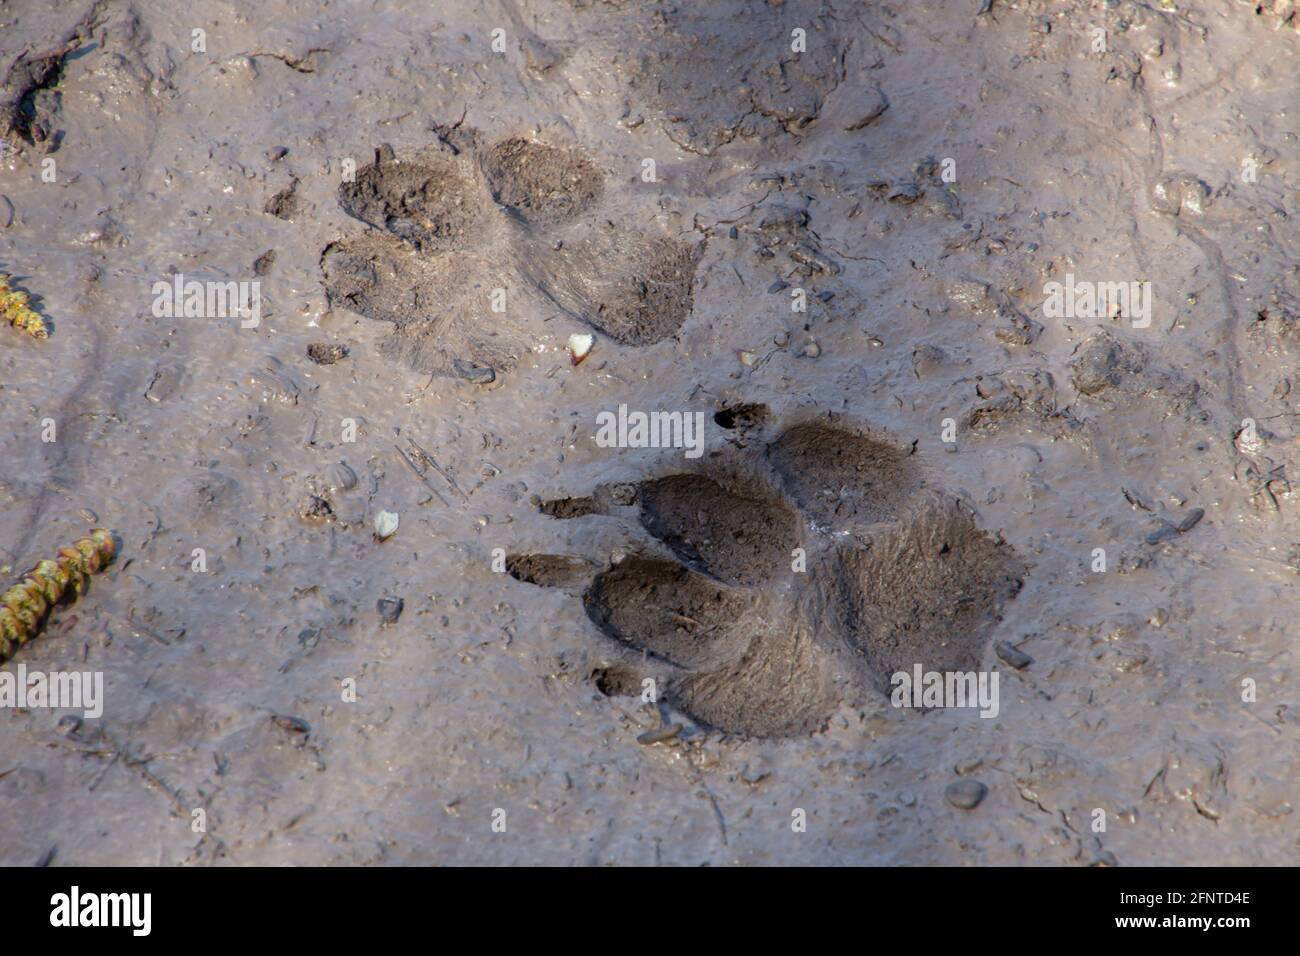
776	173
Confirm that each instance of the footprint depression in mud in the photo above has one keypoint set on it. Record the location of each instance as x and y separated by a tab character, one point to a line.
594	432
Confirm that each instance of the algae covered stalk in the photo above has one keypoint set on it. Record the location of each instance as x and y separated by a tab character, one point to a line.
15	311
25	606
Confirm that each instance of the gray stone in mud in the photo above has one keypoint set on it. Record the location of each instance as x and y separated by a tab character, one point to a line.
478	374
965	794
1162	532
1012	656
1191	520
783	218
390	609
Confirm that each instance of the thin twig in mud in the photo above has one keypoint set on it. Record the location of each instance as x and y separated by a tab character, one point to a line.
429	461
117	752
418	474
845	255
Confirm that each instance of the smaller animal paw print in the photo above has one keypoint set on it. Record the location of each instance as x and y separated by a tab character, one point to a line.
782	578
467	239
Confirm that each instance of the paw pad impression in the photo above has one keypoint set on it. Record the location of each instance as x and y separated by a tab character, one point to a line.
772	589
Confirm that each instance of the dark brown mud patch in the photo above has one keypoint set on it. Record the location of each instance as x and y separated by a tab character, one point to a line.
430	204
541	184
616	681
652	302
570	507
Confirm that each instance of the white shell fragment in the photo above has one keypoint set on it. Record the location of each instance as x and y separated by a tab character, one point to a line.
580	346
385	524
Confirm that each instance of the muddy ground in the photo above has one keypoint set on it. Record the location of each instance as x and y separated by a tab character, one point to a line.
919	169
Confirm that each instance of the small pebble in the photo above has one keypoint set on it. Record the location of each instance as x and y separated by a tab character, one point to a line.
1190	521
390	609
1162	533
660	735
1012	655
778	286
385	525
294	725
478	374
965	794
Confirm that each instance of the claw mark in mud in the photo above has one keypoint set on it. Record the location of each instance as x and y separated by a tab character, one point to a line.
25	606
750	642
453	223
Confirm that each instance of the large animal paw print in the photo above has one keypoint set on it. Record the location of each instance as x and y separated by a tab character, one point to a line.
744	636
459	226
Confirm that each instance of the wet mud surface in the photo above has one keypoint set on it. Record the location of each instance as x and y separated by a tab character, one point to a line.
921	466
